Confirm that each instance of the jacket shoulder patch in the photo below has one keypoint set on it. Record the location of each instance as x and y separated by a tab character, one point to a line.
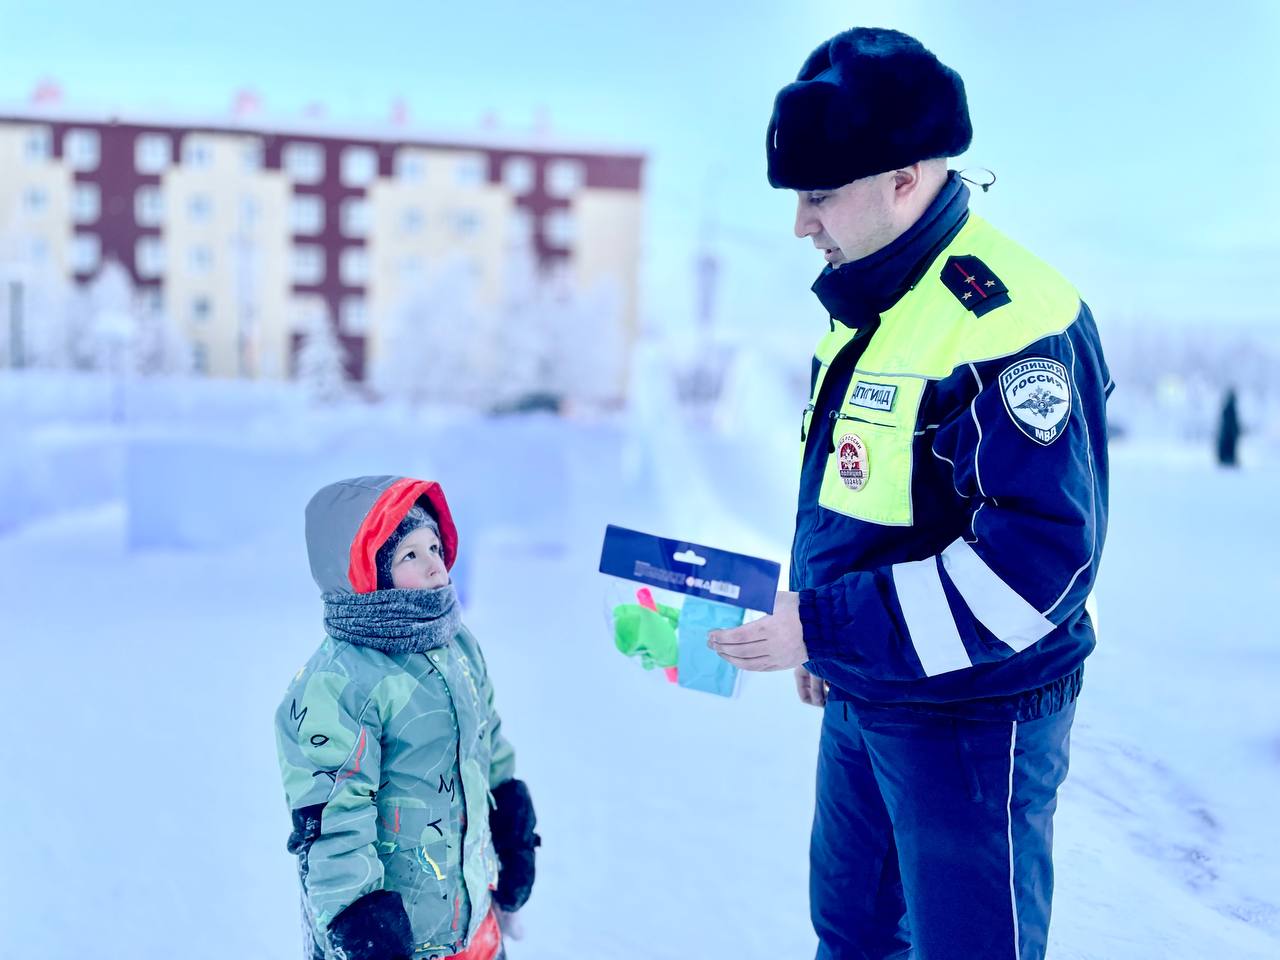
1037	396
974	284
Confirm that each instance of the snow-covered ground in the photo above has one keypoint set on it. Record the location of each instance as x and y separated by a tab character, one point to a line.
142	813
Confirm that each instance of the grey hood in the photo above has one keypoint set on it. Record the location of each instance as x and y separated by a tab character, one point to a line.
347	521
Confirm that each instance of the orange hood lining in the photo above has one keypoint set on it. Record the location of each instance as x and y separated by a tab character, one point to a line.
383	518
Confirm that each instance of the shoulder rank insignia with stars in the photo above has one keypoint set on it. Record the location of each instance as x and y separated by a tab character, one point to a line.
974	285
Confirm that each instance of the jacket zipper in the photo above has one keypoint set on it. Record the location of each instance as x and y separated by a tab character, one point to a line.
804	433
835	415
854	348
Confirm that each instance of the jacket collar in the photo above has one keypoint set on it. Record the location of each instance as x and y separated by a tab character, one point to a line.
859	291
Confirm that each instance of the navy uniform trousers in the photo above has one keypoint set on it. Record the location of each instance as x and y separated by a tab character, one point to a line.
932	834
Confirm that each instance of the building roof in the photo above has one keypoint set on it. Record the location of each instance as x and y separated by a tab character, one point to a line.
267	125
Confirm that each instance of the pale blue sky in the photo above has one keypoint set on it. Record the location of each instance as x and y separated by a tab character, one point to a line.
1135	143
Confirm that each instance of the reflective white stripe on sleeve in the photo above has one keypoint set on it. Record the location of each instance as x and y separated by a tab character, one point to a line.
929	619
997	606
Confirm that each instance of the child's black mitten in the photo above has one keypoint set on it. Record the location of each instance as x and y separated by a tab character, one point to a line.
375	927
511	822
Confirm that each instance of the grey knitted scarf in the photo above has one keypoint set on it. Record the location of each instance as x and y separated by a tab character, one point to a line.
394	621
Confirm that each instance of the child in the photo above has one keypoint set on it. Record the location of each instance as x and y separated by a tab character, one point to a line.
413	839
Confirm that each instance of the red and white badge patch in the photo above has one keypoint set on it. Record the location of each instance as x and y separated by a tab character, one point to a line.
852	454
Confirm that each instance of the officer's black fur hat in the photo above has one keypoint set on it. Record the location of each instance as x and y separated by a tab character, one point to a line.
866	101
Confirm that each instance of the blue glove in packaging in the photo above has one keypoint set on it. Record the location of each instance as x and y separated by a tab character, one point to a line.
698	666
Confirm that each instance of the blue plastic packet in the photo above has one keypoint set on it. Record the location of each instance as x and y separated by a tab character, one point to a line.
698	588
700	668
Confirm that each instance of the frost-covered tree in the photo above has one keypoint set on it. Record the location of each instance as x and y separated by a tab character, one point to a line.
590	343
36	302
544	340
435	340
162	349
322	363
525	330
398	369
37	307
112	329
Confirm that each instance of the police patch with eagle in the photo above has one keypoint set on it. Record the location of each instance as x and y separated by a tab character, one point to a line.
1037	394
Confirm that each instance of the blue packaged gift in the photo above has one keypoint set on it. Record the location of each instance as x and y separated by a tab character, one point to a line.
666	595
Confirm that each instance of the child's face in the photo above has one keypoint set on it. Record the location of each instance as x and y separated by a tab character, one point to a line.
418	563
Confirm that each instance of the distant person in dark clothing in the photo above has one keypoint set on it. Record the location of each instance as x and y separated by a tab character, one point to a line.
1229	432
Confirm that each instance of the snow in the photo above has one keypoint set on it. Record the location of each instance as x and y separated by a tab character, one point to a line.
53	469
151	627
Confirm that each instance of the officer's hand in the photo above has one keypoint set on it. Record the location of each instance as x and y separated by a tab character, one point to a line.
775	642
812	690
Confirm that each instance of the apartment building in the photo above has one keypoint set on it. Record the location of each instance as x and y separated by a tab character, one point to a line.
246	233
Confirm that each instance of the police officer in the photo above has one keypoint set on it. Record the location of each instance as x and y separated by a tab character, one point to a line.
952	509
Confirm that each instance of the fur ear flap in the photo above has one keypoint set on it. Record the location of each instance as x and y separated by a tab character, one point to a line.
808	112
816	63
810	124
840	48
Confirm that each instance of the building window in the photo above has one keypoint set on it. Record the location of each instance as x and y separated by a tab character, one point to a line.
200	258
251	155
86	252
465	223
83	149
86	203
197	152
565	177
200	358
522	225
306	213
38	250
355	217
35	200
309	313
411	166
354	266
148	206
304	162
359	166
559	228
411	268
354	318
412	220
201	309
307	264
518	174
151	300
250	210
471	170
200	208
37	146
152	153
149	256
